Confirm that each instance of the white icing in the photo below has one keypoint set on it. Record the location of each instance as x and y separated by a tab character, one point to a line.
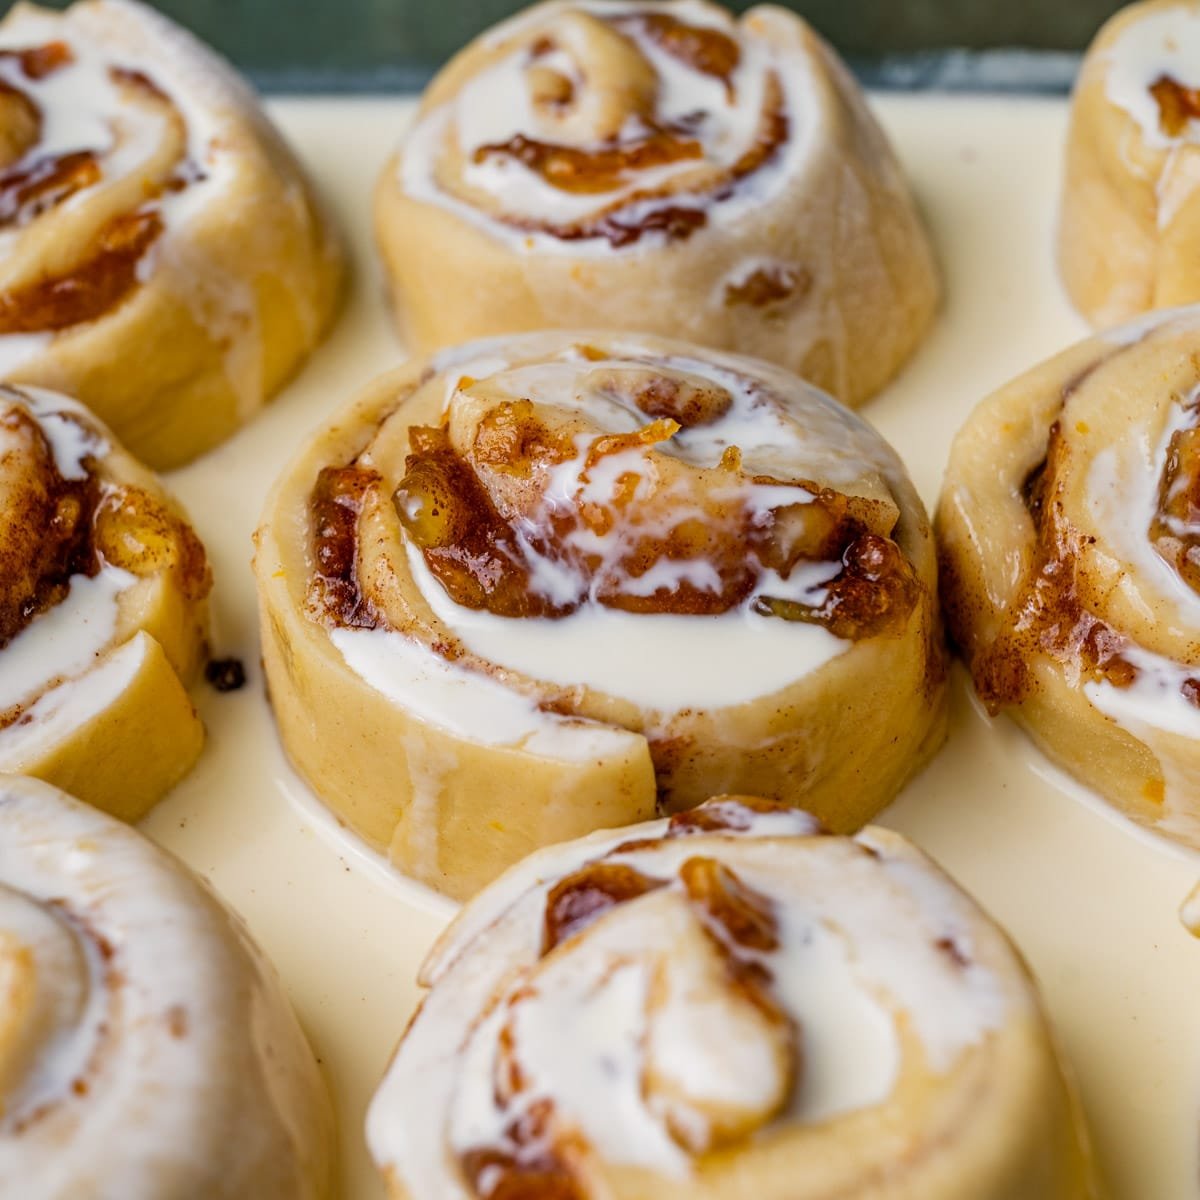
65	640
170	1026
69	705
465	702
496	105
664	662
862	947
661	661
1122	498
1189	912
1163	43
85	109
16	349
66	424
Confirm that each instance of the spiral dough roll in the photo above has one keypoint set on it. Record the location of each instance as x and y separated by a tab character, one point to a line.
147	1051
1070	531
544	584
103	610
661	167
727	1005
161	255
1129	228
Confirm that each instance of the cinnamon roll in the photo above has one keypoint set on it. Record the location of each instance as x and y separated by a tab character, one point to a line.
659	166
146	1049
103	617
1129	232
541	585
728	1004
161	255
1069	529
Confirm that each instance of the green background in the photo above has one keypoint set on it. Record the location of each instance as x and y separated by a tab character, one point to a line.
392	43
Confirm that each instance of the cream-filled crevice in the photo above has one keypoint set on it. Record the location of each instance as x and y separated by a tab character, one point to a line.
665	167
683	1005
118	177
102	608
555	542
139	1025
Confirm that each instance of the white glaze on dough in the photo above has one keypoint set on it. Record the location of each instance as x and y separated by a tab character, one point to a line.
861	941
495	106
66	640
783	428
149	995
1159	44
465	702
661	661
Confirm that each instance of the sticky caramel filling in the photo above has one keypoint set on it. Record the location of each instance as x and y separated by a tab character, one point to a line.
1175	528
487	521
88	290
45	525
1177	104
618	155
1056	611
53	528
33	185
335	507
704	49
543	1155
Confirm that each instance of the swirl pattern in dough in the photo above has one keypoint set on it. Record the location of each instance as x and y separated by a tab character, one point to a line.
161	254
103	613
545	584
147	1051
728	1004
661	167
1129	229
1070	537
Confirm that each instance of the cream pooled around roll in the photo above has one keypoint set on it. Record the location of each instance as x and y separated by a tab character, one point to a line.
1069	527
662	167
161	254
103	610
1129	225
728	1004
147	1051
544	584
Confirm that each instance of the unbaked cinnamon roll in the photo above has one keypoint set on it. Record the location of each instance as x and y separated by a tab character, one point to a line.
1070	537
161	255
728	1004
1129	231
545	584
103	615
661	167
147	1051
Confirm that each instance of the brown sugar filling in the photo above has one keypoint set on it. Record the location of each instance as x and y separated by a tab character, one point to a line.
1051	615
46	533
335	506
575	170
486	558
1177	104
34	185
540	1160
